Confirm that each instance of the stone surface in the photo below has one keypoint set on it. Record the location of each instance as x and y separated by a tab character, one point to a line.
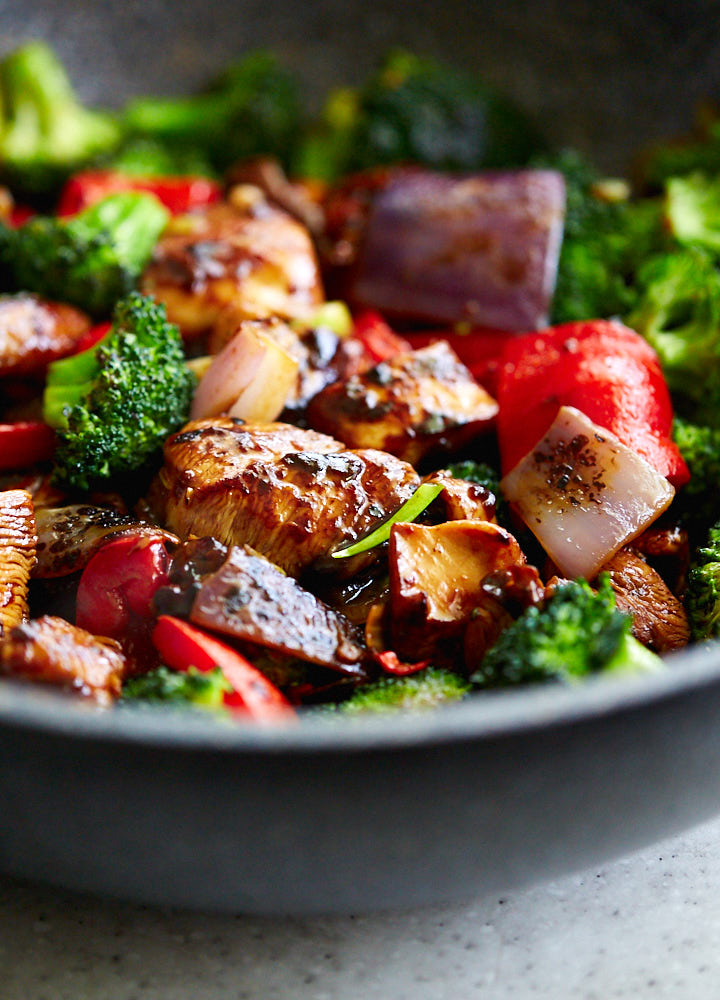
645	928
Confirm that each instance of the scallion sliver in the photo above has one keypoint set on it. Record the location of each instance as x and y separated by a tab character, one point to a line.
410	510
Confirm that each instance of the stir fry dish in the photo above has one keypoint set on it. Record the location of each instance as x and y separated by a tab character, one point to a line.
365	412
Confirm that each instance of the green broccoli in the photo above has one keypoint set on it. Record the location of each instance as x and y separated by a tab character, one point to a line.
251	109
45	133
577	632
698	503
91	259
606	236
678	313
114	405
416	110
692	209
702	599
191	688
152	158
427	689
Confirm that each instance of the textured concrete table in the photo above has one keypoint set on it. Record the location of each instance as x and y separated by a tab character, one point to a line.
647	926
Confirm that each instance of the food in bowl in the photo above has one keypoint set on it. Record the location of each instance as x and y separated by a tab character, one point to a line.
367	413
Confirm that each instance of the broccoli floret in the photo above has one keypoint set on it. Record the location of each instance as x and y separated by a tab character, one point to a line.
693	210
702	599
606	236
577	632
252	108
193	688
698	503
45	133
114	405
678	313
700	152
427	689
416	110
91	259
152	158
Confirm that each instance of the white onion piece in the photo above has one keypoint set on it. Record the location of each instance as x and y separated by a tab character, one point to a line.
251	378
583	494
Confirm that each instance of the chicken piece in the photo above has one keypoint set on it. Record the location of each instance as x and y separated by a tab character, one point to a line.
33	333
52	651
255	258
436	579
460	500
414	403
667	549
659	619
292	495
18	543
251	599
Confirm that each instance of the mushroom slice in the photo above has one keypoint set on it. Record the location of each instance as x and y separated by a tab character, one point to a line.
52	651
249	598
583	494
18	545
436	577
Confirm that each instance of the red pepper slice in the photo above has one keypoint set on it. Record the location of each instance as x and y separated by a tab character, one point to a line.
603	369
178	194
20	214
392	664
91	337
24	443
378	340
116	589
480	350
181	646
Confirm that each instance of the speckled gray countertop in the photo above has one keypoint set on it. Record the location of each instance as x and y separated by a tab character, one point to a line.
647	926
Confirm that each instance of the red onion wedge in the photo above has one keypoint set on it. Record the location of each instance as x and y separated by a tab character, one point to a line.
583	494
481	248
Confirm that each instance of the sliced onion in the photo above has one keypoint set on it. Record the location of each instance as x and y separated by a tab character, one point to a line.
583	494
251	378
482	248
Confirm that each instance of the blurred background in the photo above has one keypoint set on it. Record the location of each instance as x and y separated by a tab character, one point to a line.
606	77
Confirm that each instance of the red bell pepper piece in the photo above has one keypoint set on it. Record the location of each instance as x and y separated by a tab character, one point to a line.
20	214
178	194
91	337
603	369
392	664
182	645
116	589
24	443
378	340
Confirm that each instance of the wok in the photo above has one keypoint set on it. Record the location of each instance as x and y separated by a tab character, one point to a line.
501	790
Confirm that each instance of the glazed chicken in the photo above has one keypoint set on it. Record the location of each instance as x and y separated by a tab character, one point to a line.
52	651
33	333
293	495
415	403
249	255
18	543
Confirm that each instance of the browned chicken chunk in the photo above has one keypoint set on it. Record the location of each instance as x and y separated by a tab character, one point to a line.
33	333
412	404
659	619
18	543
52	651
254	257
293	495
436	577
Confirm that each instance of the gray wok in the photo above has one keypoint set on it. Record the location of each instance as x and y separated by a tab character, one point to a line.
496	792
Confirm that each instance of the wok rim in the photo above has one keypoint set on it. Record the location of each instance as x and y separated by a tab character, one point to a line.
482	716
